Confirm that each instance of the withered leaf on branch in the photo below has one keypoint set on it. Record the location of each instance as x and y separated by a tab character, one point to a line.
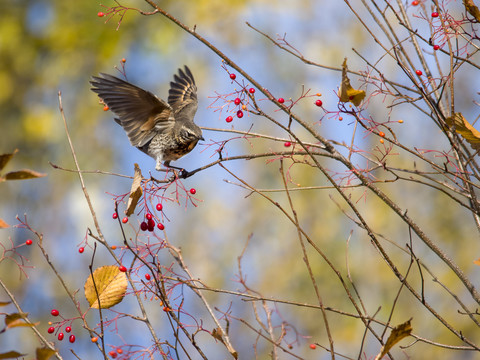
135	192
11	355
44	353
23	175
397	334
16	320
464	128
5	158
347	93
111	285
472	9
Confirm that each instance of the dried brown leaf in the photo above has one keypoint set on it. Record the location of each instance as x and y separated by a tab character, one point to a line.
472	9
5	303
397	334
111	285
11	355
5	158
135	192
347	93
464	128
23	175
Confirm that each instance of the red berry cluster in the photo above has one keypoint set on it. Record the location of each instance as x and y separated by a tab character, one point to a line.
61	335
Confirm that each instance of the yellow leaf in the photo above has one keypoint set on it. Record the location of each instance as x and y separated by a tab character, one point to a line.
44	353
5	158
135	192
464	128
3	224
397	334
23	175
477	262
472	9
111	285
5	303
347	93
16	320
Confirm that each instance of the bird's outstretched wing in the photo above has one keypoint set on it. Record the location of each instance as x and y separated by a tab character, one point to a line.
141	114
182	96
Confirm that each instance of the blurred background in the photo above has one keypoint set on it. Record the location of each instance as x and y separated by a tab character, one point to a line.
50	46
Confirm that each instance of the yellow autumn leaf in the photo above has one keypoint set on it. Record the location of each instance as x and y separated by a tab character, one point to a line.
347	93
44	353
111	286
11	355
135	192
477	262
3	224
397	334
464	128
16	320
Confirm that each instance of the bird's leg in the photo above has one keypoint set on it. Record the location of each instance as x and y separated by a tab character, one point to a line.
182	173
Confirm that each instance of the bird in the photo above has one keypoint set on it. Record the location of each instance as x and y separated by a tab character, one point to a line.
161	129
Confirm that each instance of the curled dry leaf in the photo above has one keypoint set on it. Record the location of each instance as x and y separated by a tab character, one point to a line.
16	320
12	355
347	93
464	128
397	334
472	9
5	158
135	192
111	286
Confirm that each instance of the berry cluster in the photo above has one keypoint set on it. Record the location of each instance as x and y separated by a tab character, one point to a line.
60	335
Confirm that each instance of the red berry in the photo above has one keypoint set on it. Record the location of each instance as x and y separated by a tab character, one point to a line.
419	72
100	14
415	3
115	215
68	329
436	47
149	216
319	102
236	101
71	338
193	191
233	76
51	329
122	268
81	250
229	119
124	60
125	220
160	226
251	90
112	354
313	346
55	312
60	336
29	242
151	225
159	207
147	276
106	108
287	144
239	113
381	133
281	100
143	226
435	14
120	351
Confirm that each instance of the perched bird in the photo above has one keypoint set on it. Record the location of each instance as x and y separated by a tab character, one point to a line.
164	131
